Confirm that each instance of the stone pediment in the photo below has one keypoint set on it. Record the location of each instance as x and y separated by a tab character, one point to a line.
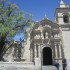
45	26
45	23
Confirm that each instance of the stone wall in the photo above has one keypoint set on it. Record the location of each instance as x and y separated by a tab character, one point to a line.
23	66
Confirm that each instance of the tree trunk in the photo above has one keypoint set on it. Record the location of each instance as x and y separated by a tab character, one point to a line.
2	47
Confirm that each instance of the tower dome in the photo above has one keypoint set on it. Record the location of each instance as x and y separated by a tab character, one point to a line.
63	5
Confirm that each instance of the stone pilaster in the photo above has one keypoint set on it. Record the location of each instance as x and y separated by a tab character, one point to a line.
55	51
35	55
58	50
39	51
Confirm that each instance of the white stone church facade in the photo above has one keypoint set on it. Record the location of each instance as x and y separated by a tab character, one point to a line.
47	43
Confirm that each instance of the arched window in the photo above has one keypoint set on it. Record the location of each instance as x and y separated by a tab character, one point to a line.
66	18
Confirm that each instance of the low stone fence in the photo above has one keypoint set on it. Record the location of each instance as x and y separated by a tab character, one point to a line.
23	66
17	64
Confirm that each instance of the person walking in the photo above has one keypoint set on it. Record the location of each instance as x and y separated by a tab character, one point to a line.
57	65
64	62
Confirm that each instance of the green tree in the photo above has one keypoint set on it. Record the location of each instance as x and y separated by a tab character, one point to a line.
11	19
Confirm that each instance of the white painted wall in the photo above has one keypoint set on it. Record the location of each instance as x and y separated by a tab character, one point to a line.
66	43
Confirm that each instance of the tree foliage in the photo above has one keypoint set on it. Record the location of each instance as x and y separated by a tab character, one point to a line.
11	18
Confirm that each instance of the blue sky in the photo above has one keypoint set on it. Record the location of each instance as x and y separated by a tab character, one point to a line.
38	8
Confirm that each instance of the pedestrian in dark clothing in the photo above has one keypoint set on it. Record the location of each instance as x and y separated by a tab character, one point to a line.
57	65
64	62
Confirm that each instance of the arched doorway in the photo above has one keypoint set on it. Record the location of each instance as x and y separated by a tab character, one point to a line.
47	56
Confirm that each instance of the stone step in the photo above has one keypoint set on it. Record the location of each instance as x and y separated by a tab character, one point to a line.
49	68
16	64
24	66
28	68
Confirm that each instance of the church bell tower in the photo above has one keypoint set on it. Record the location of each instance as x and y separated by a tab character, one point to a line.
62	14
62	18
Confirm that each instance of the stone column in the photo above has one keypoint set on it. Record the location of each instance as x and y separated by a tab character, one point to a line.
35	51
55	51
60	56
39	50
37	61
58	50
62	52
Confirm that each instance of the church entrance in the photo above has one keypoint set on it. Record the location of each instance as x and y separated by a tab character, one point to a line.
47	56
